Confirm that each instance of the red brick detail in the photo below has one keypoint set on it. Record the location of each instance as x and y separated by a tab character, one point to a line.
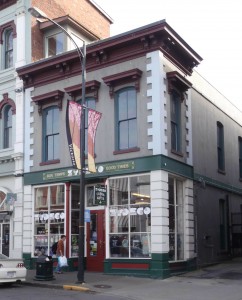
130	266
82	11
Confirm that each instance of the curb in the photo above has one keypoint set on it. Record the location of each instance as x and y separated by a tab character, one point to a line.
76	288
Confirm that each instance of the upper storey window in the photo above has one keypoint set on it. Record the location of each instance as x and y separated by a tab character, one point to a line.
175	122
8	43
7	35
126	118
220	147
51	135
7	126
55	44
7	110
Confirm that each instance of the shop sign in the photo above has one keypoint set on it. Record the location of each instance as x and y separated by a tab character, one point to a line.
115	167
87	216
106	168
100	195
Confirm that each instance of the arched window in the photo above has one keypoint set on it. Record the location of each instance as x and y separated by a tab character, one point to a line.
126	118
8	42
7	127
51	135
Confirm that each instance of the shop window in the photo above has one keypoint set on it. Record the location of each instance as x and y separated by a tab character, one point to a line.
51	134
175	122
130	217
49	217
220	147
7	126
176	220
126	119
75	210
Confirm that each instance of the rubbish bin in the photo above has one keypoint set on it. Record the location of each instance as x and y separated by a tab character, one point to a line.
44	268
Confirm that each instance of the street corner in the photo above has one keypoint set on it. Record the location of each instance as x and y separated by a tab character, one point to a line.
76	288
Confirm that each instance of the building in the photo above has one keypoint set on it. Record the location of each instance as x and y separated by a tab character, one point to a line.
23	40
168	171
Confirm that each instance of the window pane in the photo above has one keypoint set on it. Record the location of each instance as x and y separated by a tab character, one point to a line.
55	44
118	191
130	224
51	133
132	104
132	133
7	135
126	123
123	135
122	106
9	48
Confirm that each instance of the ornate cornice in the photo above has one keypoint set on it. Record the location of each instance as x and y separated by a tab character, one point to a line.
111	51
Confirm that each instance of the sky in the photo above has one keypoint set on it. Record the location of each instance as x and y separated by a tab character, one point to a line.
213	28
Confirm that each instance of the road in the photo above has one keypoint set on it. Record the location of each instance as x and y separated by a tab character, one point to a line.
25	292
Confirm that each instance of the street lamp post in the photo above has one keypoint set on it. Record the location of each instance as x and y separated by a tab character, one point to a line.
37	13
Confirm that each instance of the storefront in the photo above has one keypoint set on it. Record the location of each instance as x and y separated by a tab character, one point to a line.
7	200
135	222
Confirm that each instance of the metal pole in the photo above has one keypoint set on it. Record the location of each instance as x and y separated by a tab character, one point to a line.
37	13
81	241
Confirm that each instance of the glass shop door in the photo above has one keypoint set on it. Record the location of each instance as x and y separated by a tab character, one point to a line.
96	241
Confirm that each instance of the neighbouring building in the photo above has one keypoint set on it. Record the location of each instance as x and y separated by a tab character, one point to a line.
22	41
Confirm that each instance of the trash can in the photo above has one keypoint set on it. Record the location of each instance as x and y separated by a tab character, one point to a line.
44	268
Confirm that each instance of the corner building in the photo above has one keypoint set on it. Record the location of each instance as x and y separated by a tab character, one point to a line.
156	191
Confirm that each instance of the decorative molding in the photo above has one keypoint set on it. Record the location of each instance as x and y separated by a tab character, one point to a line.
5	26
178	83
7	101
52	97
92	87
133	76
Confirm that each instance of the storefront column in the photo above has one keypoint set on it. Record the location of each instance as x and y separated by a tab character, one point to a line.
160	224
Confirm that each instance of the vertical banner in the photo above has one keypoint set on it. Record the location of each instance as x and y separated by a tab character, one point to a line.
73	129
93	120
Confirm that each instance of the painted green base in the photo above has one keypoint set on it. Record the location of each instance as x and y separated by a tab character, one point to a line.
156	267
177	268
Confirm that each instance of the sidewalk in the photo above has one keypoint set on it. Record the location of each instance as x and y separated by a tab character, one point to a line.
94	281
217	282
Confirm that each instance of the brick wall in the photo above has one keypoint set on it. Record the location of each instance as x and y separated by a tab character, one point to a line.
80	10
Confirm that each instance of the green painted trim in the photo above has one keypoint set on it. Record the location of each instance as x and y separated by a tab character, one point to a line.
217	184
113	168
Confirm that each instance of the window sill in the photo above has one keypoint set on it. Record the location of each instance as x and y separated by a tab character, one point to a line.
221	172
50	162
177	152
135	149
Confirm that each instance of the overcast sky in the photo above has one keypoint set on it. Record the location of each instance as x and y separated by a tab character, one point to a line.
213	28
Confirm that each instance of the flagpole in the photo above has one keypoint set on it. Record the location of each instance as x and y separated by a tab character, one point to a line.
37	13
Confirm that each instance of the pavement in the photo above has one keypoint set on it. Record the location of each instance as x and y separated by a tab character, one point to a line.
221	281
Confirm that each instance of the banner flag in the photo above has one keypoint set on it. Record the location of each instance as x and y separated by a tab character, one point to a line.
73	129
93	120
